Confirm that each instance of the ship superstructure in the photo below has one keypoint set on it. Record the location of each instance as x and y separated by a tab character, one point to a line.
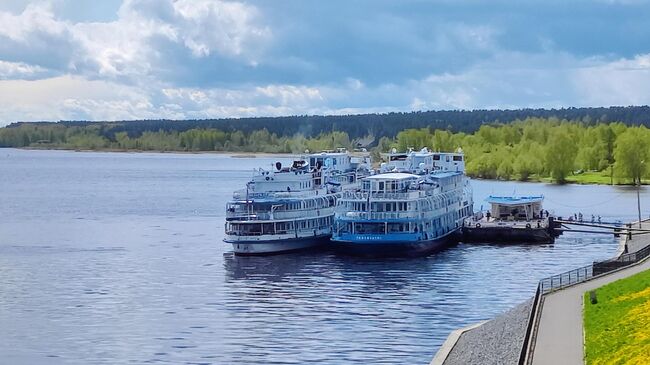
290	208
417	204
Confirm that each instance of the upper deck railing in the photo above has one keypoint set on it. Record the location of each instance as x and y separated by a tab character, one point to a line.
523	224
241	194
410	194
279	214
385	215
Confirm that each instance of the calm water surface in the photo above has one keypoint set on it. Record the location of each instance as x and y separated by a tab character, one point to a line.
112	258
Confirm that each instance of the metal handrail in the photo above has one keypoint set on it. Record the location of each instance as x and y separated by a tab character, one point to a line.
285	231
402	215
529	327
280	215
570	278
565	279
543	223
584	273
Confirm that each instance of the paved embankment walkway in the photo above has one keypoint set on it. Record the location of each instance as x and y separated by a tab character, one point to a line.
560	333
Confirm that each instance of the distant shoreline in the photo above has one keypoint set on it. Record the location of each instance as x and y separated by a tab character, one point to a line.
240	154
233	154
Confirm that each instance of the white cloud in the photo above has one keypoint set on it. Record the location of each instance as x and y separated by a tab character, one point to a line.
225	27
204	27
127	47
68	97
37	18
36	37
291	95
621	82
19	70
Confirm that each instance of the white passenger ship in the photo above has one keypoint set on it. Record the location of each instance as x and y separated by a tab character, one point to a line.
292	207
416	205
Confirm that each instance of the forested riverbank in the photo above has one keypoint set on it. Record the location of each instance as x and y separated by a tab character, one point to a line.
534	149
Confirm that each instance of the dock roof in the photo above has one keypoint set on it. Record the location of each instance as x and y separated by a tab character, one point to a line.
512	200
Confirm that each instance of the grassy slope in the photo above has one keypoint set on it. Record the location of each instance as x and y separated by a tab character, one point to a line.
617	328
588	177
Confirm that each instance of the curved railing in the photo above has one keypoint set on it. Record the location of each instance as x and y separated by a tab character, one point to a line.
566	279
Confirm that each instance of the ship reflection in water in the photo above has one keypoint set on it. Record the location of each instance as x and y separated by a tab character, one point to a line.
367	310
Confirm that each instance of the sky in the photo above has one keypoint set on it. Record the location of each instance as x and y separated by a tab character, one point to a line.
178	59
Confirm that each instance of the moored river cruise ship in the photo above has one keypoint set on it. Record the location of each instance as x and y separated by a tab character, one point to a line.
291	208
417	207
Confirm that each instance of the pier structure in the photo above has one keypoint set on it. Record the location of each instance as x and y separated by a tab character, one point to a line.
548	329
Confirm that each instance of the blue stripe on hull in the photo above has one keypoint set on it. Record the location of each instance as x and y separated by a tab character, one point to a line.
394	248
271	247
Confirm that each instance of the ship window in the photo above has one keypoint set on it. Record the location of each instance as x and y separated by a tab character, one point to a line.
458	158
436	157
381	186
369	228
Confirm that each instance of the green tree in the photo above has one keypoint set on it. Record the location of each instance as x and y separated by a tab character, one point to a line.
631	154
560	155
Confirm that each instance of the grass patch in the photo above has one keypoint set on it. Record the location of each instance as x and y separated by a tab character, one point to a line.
591	177
617	328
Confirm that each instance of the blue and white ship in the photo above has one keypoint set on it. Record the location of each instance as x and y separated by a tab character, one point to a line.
291	208
416	205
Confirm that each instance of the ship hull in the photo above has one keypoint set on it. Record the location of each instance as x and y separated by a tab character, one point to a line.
270	247
385	245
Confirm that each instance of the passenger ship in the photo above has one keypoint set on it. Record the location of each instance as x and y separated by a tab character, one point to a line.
291	207
416	205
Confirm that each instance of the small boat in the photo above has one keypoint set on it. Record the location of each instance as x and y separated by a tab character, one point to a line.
511	219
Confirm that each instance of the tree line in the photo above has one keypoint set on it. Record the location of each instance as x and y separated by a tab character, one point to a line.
541	149
378	125
532	148
93	137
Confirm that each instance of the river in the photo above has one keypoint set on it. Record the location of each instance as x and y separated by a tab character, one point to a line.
110	258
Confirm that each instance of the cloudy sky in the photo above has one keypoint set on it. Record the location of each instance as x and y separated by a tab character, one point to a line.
137	59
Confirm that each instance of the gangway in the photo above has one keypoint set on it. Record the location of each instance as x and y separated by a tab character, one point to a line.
616	228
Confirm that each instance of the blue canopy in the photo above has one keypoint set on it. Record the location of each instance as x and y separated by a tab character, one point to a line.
511	200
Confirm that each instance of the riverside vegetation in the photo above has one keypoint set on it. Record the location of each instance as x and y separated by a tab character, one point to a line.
617	326
539	149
